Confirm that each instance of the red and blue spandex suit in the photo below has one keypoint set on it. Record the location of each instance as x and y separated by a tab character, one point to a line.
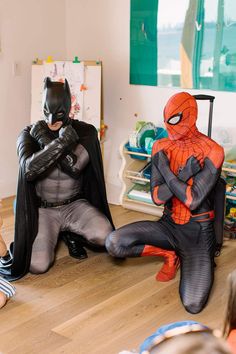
185	169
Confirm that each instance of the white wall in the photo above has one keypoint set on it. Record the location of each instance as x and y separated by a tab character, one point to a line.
28	29
100	29
91	30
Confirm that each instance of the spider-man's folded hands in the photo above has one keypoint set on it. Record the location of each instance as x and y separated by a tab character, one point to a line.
161	193
192	167
203	181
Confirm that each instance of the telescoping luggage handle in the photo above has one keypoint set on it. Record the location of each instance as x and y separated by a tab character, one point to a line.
211	99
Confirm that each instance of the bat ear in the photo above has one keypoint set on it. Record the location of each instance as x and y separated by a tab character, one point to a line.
66	87
47	82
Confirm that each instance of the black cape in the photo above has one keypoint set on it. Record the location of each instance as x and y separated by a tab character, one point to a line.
26	217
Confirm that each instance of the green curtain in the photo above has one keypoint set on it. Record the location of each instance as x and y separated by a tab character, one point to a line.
198	44
143	42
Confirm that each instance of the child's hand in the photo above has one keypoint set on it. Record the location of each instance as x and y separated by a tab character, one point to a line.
3	299
3	247
1	222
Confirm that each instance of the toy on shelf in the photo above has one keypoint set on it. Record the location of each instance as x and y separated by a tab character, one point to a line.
229	169
143	137
230	219
136	167
230	156
139	150
231	186
140	193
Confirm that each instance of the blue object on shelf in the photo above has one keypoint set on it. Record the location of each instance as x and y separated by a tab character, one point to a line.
134	149
147	171
160	134
148	145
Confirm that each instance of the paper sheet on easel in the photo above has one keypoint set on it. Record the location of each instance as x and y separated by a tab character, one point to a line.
86	103
92	96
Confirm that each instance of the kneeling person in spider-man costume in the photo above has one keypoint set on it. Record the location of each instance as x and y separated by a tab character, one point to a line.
61	187
185	169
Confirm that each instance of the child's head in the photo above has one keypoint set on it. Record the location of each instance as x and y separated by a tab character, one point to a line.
193	343
230	317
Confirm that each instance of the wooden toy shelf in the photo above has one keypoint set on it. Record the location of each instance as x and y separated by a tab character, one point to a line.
130	173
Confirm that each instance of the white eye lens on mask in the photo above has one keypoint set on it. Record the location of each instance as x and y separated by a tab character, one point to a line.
175	119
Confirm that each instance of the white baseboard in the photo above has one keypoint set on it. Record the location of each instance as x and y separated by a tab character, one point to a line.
7	188
113	193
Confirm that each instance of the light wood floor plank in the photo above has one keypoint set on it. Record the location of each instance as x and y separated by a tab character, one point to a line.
100	305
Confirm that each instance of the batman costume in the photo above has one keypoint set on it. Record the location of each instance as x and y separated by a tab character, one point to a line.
61	186
186	168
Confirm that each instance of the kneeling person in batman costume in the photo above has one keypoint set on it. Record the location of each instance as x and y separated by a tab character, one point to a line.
61	187
186	167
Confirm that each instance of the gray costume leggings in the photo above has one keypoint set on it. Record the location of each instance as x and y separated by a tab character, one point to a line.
194	243
79	217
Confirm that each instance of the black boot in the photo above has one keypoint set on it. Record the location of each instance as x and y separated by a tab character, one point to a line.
75	246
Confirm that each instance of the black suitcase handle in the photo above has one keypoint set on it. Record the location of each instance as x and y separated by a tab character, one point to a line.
211	100
204	97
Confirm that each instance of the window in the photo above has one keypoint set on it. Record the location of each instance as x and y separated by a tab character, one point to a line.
190	44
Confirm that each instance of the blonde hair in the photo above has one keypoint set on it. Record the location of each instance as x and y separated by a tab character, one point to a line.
230	316
192	343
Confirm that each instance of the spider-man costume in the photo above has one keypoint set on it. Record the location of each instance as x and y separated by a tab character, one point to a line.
185	169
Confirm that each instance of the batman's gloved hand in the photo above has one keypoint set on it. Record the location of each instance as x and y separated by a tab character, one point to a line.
41	133
191	168
68	162
73	163
68	137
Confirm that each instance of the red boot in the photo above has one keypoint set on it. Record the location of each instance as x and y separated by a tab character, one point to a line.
171	262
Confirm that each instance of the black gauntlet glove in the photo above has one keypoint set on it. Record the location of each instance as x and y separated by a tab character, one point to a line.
74	162
68	161
68	137
41	133
52	149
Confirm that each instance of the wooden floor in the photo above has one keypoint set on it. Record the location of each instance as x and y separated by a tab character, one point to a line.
98	305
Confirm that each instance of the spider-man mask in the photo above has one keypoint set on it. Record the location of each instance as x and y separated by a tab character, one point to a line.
180	115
